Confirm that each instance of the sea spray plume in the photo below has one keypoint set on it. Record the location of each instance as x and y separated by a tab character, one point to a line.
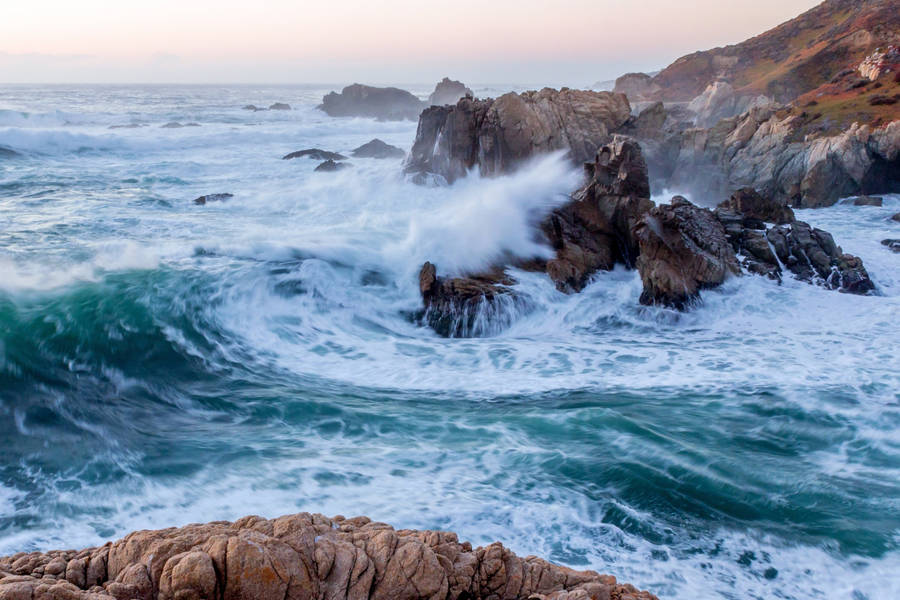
484	220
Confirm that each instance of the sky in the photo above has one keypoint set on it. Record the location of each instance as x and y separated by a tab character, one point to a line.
561	42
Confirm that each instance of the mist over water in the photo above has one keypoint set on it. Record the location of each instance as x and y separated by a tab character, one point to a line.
164	363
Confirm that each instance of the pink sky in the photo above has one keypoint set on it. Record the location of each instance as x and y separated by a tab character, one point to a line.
573	42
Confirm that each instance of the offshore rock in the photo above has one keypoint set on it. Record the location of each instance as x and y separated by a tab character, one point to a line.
280	106
683	249
378	149
314	153
498	135
301	557
448	91
384	104
329	166
893	245
8	152
213	198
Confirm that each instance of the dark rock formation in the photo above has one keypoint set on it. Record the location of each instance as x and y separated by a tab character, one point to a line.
378	149
593	232
868	201
280	106
314	153
812	256
896	217
683	249
894	245
751	204
254	108
384	104
172	125
330	166
301	557
498	135
448	91
213	198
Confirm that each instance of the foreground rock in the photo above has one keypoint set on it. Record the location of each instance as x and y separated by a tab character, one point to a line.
213	198
384	104
448	91
498	135
682	249
314	153
378	149
301	557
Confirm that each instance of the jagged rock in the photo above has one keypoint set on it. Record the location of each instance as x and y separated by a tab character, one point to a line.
448	91
314	153
751	204
894	245
593	232
213	198
385	104
280	106
330	166
683	249
868	201
498	135
378	149
767	150
812	256
302	557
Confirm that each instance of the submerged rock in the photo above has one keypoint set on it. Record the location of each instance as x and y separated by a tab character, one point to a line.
172	125
868	201
253	107
314	153
683	249
213	198
893	245
128	126
384	104
448	91
302	557
280	106
378	149
498	135
330	166
8	152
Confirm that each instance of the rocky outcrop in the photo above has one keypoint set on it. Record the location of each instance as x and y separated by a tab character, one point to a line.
213	198
593	232
637	86
384	104
301	557
868	201
498	135
330	166
280	106
880	62
378	149
773	152
448	91
721	101
314	153
750	204
893	245
683	249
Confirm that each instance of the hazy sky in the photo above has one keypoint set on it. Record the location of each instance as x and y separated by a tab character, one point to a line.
572	42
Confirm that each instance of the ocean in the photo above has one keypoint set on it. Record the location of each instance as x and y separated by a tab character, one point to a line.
163	363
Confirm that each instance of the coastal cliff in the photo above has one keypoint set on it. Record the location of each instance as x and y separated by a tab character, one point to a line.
301	557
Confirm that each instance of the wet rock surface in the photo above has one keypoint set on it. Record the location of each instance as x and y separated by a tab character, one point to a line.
750	204
314	153
868	201
385	104
499	135
303	557
892	244
378	149
683	249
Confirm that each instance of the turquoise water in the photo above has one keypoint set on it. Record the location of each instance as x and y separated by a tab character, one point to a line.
164	363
